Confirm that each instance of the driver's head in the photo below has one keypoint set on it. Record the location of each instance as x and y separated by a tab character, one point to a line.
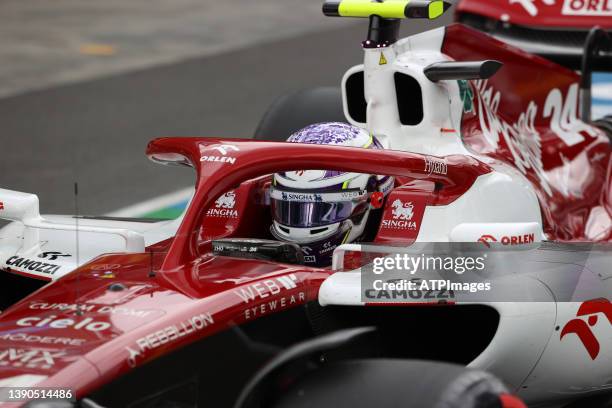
319	209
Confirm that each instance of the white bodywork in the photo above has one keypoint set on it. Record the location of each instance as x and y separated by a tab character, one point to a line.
526	351
49	247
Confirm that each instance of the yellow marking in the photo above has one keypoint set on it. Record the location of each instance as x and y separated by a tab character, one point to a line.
345	237
369	142
436	9
98	49
345	184
382	60
387	9
365	8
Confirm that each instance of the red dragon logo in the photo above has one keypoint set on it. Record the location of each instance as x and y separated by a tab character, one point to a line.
583	329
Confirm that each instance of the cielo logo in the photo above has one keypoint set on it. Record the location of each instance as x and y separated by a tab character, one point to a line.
54	322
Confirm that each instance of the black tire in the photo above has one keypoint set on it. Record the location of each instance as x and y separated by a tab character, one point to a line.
292	112
392	384
605	124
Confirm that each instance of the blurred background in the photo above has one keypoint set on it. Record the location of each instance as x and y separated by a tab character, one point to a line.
84	85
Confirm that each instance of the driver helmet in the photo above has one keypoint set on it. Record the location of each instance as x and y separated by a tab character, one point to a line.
322	209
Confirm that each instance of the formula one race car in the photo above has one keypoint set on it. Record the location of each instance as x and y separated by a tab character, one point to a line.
486	148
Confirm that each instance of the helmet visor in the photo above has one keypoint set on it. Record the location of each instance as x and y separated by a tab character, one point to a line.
314	210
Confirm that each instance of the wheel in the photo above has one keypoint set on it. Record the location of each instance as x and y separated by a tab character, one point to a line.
395	384
605	124
292	112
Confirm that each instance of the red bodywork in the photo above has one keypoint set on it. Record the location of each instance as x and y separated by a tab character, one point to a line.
178	292
543	13
526	116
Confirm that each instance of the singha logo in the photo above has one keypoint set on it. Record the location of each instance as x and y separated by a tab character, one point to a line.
582	328
224	206
401	214
402	211
227	200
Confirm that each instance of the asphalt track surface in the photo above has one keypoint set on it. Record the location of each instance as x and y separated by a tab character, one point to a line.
95	132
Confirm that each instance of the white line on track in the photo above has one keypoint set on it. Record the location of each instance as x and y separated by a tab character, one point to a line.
154	204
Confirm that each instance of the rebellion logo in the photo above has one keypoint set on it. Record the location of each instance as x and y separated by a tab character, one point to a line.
402	216
582	328
167	335
224	206
32	358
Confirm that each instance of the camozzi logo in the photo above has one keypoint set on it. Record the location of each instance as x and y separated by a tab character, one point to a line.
224	206
222	154
522	138
402	214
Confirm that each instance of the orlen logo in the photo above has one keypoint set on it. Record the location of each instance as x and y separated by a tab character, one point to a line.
54	323
508	239
224	150
599	8
485	239
582	328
